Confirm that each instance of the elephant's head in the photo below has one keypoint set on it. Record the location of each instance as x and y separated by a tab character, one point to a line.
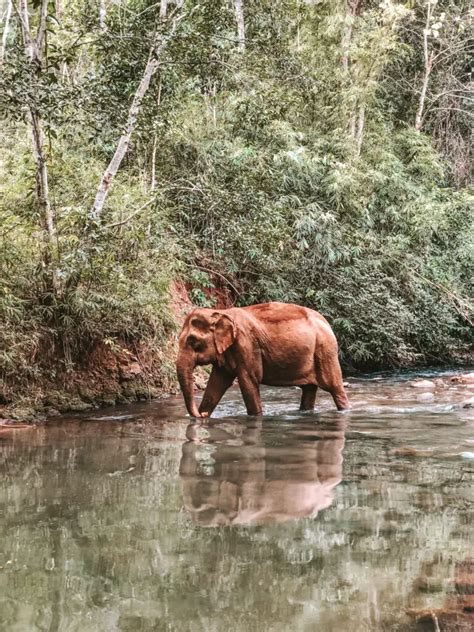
205	336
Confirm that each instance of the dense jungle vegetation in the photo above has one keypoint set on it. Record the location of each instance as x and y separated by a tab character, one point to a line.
312	151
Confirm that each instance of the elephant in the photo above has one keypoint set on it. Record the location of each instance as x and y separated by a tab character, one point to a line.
235	473
276	344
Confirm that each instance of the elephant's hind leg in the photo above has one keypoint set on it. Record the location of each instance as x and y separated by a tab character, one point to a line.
329	376
308	396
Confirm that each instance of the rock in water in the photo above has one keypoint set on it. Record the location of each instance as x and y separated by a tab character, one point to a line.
425	397
423	384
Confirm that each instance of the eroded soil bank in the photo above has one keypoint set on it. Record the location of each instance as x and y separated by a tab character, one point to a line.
112	372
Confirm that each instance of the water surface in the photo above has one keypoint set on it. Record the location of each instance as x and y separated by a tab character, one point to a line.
134	519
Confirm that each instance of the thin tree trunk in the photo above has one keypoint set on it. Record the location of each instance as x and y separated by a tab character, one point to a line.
41	34
25	29
163	8
428	57
352	125
102	15
34	53
346	44
155	145
122	146
359	137
42	180
353	10
239	16
422	99
153	163
6	28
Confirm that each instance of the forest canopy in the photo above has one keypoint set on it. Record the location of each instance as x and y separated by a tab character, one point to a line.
316	152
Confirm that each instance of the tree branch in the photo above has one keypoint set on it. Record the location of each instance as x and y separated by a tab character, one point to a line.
134	214
156	51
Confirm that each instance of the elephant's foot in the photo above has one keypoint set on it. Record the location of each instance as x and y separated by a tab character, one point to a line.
341	401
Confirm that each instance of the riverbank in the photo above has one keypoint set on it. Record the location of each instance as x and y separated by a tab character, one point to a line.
112	372
121	376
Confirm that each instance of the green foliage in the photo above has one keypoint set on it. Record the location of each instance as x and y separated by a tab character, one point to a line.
275	169
114	282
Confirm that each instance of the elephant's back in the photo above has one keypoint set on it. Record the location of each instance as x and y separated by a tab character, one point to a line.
281	313
290	326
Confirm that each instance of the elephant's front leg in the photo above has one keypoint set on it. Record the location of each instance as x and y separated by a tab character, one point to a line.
249	387
219	382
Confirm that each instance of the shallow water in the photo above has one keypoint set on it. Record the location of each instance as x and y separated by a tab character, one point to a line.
135	519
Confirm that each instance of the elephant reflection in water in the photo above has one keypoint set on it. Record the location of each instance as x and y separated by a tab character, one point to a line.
233	473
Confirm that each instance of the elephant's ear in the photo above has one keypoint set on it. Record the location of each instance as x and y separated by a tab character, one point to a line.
224	332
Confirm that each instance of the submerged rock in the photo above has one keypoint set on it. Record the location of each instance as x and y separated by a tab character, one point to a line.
423	384
466	378
425	397
77	405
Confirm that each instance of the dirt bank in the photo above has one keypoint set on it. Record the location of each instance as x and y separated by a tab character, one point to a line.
112	373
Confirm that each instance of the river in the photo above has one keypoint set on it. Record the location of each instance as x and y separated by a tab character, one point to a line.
134	519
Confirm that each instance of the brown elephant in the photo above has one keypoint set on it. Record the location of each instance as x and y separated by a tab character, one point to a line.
277	344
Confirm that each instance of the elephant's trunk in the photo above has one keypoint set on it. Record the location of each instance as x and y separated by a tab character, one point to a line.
185	367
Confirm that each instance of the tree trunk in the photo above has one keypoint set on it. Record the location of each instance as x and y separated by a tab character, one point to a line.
239	16
153	163
41	34
6	27
353	10
428	57
422	99
360	129
102	15
34	53
151	67
42	181
163	8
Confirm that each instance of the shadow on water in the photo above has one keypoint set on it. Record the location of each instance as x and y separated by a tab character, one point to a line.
134	519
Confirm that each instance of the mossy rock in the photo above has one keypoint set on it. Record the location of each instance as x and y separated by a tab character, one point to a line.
24	414
78	405
144	393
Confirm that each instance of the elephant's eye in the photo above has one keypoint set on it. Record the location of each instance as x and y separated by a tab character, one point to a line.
195	343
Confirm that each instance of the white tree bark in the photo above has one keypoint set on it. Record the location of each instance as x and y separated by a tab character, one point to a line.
124	141
6	28
102	15
239	16
163	8
428	58
153	163
40	35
